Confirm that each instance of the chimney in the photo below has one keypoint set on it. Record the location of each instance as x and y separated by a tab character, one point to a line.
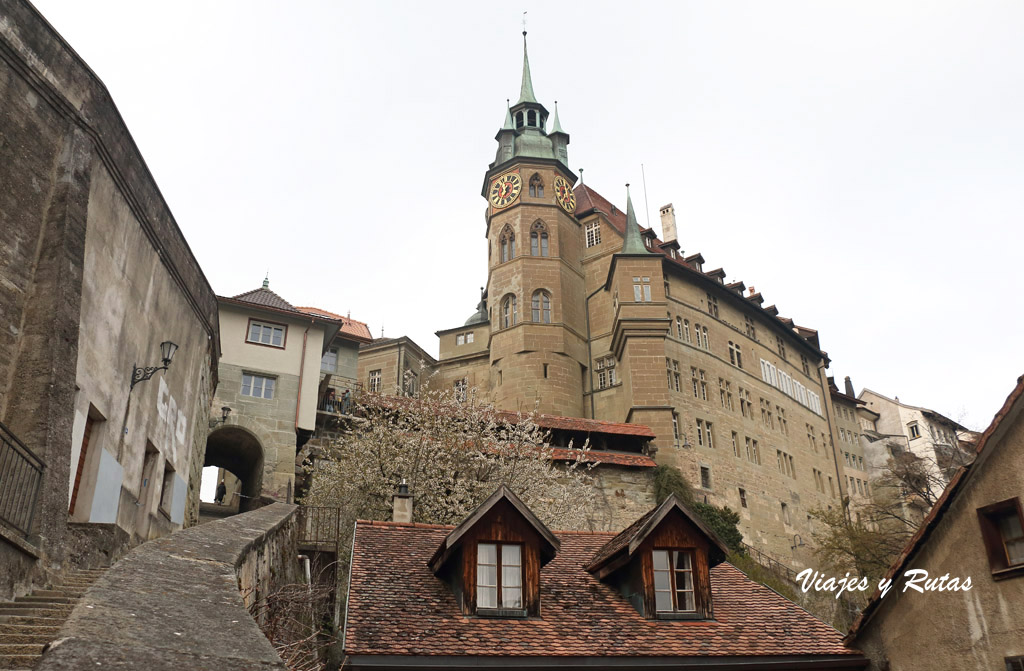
668	223
849	387
751	290
402	504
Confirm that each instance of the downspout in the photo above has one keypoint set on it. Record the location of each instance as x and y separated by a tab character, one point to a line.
302	367
590	351
826	396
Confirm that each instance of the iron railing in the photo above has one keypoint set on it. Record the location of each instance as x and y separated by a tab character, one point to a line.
337	404
770	563
319	527
21	475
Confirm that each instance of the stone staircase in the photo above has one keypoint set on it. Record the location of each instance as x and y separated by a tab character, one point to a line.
32	621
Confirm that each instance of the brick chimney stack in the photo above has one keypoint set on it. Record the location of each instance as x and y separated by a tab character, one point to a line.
668	223
849	387
402	504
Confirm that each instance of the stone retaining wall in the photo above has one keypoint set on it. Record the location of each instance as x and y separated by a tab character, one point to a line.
177	602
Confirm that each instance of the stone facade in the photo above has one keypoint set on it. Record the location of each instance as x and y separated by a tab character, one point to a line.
94	275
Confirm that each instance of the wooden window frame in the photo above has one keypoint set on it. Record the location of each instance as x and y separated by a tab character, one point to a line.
677	614
248	330
992	537
501	610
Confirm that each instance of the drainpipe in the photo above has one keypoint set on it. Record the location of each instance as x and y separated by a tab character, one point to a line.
590	351
826	397
302	367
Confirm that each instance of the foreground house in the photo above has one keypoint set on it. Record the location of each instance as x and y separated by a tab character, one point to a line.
501	591
975	530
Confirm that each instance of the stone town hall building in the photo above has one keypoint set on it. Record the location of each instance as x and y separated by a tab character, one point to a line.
587	315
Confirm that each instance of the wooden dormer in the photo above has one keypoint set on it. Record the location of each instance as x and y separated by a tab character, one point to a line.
500	543
661	563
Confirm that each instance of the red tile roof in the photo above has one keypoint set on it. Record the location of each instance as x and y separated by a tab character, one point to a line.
349	326
397	607
266	298
587	425
935	515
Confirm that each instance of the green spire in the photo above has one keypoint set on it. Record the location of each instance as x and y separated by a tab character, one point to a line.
632	244
526	92
555	126
508	118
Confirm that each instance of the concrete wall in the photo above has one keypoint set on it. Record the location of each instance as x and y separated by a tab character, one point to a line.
94	274
182	601
970	631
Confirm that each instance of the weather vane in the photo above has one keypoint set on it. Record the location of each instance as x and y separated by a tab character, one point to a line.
524	23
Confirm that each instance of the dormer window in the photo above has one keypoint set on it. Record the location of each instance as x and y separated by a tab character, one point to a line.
499	577
673	581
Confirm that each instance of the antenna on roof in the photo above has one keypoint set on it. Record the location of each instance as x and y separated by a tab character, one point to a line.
646	206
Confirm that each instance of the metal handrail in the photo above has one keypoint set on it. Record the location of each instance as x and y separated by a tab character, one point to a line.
319	526
21	477
770	563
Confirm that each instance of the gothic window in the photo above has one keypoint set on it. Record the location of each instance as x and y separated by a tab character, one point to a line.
508	311
542	307
536	187
539	239
508	245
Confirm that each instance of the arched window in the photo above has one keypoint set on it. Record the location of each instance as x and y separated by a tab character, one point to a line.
531	118
519	120
508	245
508	311
541	307
536	186
538	240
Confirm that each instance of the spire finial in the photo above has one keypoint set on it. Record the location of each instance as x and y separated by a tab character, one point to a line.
581	175
555	126
266	280
526	91
632	244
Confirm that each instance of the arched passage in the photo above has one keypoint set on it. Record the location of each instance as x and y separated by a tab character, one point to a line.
238	451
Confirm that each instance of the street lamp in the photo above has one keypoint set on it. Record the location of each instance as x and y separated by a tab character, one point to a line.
224	412
167	350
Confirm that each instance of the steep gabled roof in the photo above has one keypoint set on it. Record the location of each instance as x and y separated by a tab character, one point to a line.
1012	407
620	548
549	543
350	327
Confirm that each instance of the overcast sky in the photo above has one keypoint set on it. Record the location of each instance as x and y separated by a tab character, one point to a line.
860	163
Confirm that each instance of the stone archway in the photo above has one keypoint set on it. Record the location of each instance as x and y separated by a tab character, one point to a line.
239	451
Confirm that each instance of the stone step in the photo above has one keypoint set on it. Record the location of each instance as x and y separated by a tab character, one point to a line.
21	648
24	637
19	661
28	629
39	609
33	598
33	620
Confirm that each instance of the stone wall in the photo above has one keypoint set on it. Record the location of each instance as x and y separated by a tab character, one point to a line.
182	601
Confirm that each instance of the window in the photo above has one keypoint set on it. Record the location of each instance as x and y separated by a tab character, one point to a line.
783	426
686	330
374	381
679	327
735	445
914	429
266	333
460	387
672	371
542	307
831	487
1003	535
167	493
704	435
1014	663
746	407
675	426
460	339
508	311
536	187
811	440
693	380
538	240
593	232
705	477
329	362
712	306
606	372
751	328
752	451
780	346
258	386
785	515
703	387
673	581
642	289
704	334
735	355
805	365
667	291
499	576
508	245
743	498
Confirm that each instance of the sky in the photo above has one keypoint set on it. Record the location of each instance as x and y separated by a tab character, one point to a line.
860	163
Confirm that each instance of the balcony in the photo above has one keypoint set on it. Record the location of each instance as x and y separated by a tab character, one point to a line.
333	399
21	475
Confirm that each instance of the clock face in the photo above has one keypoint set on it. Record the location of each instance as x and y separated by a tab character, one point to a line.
564	195
505	190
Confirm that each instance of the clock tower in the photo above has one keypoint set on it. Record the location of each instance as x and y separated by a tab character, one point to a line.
535	285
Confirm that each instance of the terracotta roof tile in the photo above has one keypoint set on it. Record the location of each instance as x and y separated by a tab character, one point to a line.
266	298
348	325
605	457
581	615
588	425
